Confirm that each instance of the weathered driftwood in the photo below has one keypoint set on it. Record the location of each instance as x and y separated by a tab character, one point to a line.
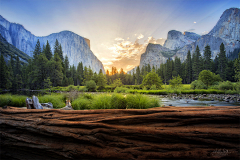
164	133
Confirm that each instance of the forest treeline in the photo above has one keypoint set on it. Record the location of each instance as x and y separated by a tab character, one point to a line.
49	68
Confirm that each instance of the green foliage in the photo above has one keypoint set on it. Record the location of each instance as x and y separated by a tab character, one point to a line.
81	104
118	101
153	87
198	84
101	101
102	81
5	82
58	100
208	78
47	83
91	86
237	68
121	90
176	82
139	101
117	83
12	100
152	79
226	85
114	101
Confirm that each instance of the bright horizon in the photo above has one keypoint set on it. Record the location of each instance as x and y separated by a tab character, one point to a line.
118	30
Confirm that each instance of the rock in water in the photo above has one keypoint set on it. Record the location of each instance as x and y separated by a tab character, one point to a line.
158	133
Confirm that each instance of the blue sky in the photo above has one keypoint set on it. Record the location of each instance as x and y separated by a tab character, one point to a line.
119	30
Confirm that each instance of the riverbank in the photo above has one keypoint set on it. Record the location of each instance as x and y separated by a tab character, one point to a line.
157	133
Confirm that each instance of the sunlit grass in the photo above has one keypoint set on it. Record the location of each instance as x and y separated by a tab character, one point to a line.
115	101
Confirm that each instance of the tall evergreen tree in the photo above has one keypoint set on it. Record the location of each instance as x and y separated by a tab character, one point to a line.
188	68
48	51
207	58
196	64
5	82
56	48
37	51
138	75
222	62
237	68
56	75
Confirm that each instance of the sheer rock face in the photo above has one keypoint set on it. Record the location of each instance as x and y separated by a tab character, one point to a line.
226	31
153	55
158	133
176	40
77	48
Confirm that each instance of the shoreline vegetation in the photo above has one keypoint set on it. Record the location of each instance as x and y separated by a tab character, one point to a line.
124	97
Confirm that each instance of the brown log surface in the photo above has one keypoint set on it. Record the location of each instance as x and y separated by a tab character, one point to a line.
159	133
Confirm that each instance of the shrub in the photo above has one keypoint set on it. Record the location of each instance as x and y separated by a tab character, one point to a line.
121	90
117	83
118	101
227	85
70	88
153	87
175	82
91	86
152	79
82	89
198	84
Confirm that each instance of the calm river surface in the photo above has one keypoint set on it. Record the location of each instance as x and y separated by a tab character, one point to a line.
191	102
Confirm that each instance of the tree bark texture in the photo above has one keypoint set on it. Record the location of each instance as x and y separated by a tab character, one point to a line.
159	133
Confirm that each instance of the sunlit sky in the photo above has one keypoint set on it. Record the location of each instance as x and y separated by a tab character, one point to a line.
118	30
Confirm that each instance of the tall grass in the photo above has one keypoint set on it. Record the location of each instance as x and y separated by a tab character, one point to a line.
115	101
58	100
12	100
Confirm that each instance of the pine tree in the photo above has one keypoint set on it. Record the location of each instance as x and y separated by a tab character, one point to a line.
37	50
66	67
196	64
102	81
56	48
5	82
177	66
222	62
60	52
79	73
41	71
188	68
207	58
237	68
138	75
48	51
55	66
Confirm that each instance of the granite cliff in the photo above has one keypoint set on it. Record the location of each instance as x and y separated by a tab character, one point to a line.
226	31
77	48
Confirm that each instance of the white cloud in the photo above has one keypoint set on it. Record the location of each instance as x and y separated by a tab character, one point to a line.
119	39
205	32
140	36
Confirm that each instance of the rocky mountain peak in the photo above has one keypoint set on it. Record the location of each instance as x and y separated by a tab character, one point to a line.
176	40
228	26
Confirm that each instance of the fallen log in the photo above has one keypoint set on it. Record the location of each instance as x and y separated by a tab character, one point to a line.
159	133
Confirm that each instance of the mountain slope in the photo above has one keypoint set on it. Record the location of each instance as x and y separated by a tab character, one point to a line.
9	50
74	46
226	31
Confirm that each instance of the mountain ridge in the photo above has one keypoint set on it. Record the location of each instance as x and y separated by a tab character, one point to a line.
77	48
